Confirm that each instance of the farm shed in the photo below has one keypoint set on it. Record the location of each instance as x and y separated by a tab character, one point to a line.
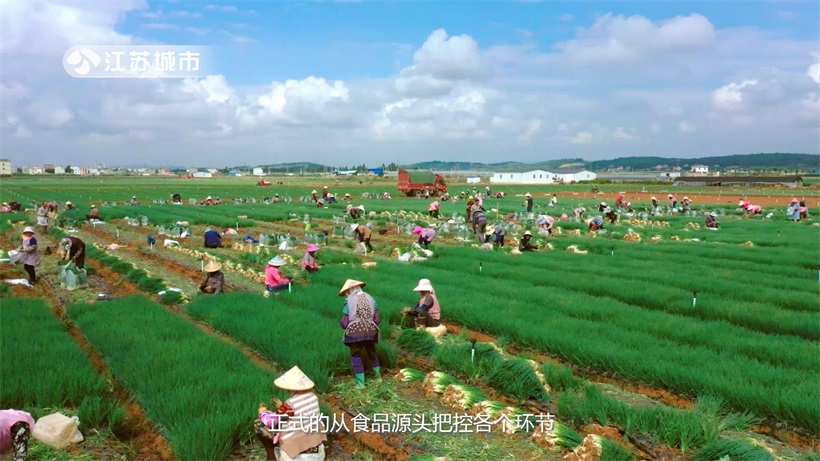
742	181
573	175
526	177
473	179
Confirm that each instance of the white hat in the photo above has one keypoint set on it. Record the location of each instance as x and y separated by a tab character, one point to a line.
294	380
213	266
208	198
669	196
28	230
490	230
349	206
353	227
527	195
713	214
528	233
67	203
276	261
424	285
314	191
93	206
361	207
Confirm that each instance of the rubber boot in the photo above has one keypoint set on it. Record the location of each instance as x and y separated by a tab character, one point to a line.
377	371
359	380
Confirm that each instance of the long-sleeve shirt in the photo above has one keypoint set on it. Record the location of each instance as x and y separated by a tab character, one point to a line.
9	418
273	277
212	236
363	233
308	261
427	234
214	280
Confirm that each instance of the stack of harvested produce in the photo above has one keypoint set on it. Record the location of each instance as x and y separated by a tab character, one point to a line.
409	374
575	250
487	407
655	239
693	225
462	397
748	243
436	382
632	236
674	237
594	448
559	436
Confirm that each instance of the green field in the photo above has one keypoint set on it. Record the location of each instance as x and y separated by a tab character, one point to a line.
615	335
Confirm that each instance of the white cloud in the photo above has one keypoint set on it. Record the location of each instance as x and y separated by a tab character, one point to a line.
230	9
446	57
213	88
421	86
623	134
626	39
187	14
566	18
814	72
730	97
582	137
686	127
236	38
198	30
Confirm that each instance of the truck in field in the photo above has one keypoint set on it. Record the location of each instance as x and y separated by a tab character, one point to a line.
416	182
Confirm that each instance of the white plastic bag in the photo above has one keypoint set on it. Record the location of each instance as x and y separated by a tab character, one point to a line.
14	256
57	430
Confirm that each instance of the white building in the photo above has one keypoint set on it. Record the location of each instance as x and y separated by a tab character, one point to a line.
700	169
5	167
59	169
202	174
527	177
473	179
33	170
258	172
573	175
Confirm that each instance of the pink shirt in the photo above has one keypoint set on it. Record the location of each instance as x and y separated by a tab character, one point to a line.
273	277
9	418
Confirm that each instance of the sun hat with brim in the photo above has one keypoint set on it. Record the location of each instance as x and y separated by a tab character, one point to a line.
69	203
28	230
277	261
353	227
794	199
93	206
653	198
208	198
313	191
490	231
417	230
670	196
294	380
686	198
311	248
527	195
424	285
621	194
350	283
713	214
528	233
213	266
603	203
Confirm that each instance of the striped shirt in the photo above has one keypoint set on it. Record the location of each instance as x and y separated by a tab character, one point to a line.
305	414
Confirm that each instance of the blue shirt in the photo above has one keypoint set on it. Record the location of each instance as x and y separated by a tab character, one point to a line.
212	236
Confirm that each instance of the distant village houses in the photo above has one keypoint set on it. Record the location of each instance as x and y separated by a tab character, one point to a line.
560	175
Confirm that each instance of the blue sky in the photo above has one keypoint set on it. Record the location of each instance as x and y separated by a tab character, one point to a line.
375	82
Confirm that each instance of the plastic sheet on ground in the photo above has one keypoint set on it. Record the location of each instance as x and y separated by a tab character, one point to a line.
18	282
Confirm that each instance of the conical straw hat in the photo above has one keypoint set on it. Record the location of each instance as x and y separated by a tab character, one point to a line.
294	380
350	283
213	266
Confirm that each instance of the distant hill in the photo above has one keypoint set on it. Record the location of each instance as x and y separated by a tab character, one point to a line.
294	167
751	161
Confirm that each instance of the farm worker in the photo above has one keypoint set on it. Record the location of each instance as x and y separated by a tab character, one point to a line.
654	204
217	201
73	249
302	437
479	199
545	223
528	202
553	200
426	235
360	320
470	203
793	211
751	209
176	198
524	244
212	238
479	222
309	259
42	217
498	233
487	191
69	206
362	234
804	210
314	195
15	205
602	206
685	204
274	280
355	211
325	193
433	209
579	212
711	222
15	430
427	312
133	200
619	201
331	198
499	195
597	222
6	208
30	257
347	196
610	214
320	203
276	198
672	201
209	200
214	281
248	238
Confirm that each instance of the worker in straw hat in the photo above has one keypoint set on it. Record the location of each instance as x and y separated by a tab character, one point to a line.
426	235
427	311
793	211
686	203
94	214
654	204
314	194
360	320
30	258
309	259
579	212
134	200
214	281
362	233
212	239
595	223
325	193
498	232
72	249
274	280
295	431
69	205
711	222
525	244
528	202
